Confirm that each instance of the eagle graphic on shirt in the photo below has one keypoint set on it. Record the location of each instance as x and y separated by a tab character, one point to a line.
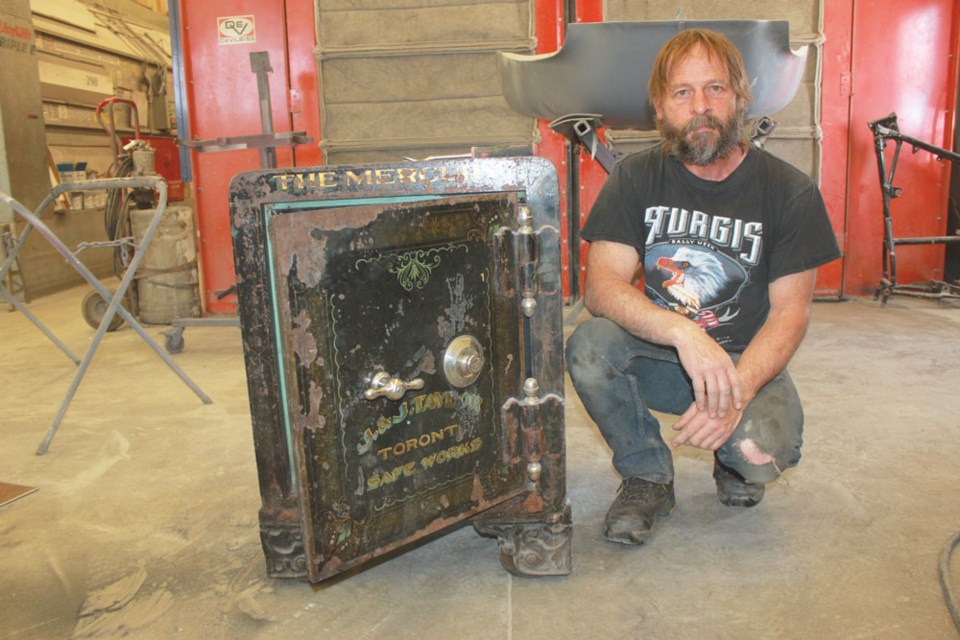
693	280
696	277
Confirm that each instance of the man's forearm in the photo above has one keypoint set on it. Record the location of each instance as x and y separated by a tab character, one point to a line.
628	307
780	336
770	351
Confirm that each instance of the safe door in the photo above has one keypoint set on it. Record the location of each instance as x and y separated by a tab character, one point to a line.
403	368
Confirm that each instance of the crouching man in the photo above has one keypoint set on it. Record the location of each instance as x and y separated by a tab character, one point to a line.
728	238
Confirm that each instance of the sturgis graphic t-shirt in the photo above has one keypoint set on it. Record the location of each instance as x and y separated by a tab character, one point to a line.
710	249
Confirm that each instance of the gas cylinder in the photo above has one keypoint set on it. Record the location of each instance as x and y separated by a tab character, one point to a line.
167	279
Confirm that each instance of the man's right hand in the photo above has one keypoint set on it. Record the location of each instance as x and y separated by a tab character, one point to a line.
714	376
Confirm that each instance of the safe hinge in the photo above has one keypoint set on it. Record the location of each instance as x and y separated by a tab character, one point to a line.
528	257
532	429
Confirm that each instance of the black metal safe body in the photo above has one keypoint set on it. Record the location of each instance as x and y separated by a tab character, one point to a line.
402	332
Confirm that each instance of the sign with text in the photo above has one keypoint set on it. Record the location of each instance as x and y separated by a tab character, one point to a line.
237	29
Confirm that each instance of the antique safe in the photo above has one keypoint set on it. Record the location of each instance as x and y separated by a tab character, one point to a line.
402	333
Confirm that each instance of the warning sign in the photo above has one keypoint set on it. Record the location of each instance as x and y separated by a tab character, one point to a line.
237	30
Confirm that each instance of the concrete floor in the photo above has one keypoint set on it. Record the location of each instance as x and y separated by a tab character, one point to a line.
145	522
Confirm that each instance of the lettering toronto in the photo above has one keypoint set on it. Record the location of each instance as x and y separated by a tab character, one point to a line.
414	406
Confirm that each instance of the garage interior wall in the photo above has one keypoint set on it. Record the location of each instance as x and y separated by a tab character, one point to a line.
23	163
83	53
418	78
900	60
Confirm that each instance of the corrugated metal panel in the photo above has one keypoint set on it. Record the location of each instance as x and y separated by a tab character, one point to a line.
415	78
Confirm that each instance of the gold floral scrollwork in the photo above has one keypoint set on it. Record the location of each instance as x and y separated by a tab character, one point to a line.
413	269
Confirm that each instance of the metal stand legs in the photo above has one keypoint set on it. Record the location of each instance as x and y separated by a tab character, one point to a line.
887	129
33	221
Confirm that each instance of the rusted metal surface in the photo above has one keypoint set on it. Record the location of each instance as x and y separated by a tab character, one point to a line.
353	284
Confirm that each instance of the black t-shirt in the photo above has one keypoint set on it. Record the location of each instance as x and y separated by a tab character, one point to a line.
710	249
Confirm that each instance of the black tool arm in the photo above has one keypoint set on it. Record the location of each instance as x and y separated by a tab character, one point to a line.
886	128
581	128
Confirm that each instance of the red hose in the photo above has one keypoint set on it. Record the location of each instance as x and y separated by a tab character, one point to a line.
117	147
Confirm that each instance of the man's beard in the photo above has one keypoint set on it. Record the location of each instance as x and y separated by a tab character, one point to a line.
702	148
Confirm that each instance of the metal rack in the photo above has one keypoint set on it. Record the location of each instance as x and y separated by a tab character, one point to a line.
114	307
883	130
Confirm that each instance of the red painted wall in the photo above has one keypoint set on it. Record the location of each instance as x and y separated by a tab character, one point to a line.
222	102
836	88
901	59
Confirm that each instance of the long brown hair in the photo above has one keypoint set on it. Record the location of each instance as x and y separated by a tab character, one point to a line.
715	44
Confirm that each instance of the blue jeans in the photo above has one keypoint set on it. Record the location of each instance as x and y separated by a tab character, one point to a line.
619	378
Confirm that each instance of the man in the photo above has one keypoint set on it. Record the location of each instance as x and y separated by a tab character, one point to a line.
729	238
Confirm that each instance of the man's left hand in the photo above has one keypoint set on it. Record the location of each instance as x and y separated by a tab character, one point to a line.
697	429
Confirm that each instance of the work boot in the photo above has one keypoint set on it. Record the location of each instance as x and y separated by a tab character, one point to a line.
732	489
638	503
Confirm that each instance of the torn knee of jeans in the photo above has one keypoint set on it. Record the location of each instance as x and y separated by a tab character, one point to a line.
752	453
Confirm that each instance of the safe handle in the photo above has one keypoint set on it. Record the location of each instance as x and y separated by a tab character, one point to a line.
393	388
